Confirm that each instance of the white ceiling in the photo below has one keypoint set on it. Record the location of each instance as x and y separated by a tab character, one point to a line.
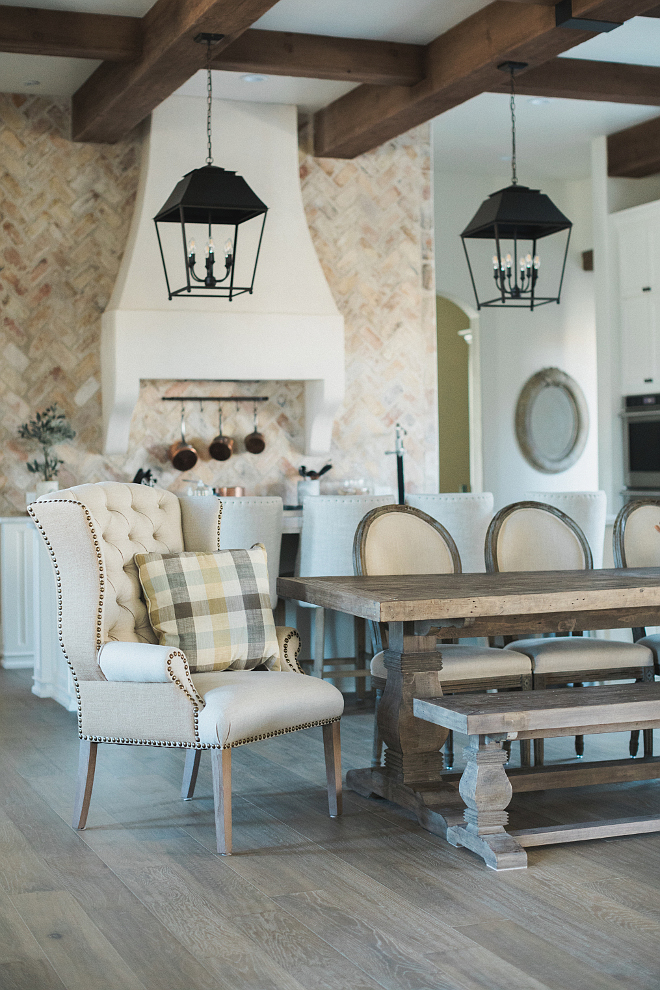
554	135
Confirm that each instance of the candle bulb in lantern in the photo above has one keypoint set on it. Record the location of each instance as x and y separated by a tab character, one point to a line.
537	262
210	248
229	252
191	250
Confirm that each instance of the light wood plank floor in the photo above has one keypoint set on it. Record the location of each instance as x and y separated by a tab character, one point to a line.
139	901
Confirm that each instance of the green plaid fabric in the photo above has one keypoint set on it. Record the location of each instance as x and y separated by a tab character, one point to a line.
213	606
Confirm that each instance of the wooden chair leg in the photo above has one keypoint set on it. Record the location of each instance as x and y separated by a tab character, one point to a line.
648	742
539	753
506	746
86	768
221	771
332	750
377	749
525	753
579	747
633	746
449	750
190	771
318	642
359	626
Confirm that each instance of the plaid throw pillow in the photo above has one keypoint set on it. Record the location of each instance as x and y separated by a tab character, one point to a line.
213	606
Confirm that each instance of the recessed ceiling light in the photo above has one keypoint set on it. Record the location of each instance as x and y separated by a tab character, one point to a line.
537	101
253	77
32	82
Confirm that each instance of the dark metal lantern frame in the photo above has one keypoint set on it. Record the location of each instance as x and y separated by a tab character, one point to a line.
212	196
516	213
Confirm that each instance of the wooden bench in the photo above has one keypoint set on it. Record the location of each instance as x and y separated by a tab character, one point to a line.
491	719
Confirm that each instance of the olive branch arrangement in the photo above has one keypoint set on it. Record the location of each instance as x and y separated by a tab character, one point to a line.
48	428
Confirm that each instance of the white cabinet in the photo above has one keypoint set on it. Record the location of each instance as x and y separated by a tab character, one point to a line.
28	610
638	243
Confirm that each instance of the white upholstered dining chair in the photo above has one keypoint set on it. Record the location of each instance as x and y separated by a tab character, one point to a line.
326	550
533	536
466	515
399	539
251	519
587	509
130	690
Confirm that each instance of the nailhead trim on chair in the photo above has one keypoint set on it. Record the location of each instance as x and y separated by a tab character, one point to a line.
99	629
293	661
182	745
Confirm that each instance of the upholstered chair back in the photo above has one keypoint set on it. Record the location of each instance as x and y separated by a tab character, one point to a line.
399	539
531	536
328	529
636	537
466	516
587	509
93	531
250	520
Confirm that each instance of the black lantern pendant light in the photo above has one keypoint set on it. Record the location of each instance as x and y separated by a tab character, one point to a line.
212	197
522	216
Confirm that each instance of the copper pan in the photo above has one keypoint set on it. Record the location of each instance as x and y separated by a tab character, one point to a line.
255	442
182	454
221	447
236	491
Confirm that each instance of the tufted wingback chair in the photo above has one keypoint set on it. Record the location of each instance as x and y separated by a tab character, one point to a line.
130	690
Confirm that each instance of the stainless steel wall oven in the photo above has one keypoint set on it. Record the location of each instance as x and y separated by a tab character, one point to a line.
641	441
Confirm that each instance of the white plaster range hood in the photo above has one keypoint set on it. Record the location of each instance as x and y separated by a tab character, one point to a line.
288	329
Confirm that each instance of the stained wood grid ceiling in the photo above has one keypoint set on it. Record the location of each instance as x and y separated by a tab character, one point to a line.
402	73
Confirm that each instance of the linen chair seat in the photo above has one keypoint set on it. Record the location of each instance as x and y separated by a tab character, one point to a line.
652	643
241	706
462	663
575	656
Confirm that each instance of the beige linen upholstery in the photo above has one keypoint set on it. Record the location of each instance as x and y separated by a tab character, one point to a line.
641	539
404	543
466	516
536	540
463	663
241	706
131	690
587	509
585	655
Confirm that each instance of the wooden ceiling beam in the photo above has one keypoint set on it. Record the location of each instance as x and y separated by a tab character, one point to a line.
580	79
283	53
68	34
635	151
460	64
116	97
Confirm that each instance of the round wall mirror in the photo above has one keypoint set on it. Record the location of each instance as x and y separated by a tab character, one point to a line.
552	421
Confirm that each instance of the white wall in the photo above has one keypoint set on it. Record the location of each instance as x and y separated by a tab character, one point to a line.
515	344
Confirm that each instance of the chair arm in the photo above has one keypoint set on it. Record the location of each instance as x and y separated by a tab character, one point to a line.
289	643
148	663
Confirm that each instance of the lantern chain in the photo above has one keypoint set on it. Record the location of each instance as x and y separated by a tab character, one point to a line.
209	104
512	105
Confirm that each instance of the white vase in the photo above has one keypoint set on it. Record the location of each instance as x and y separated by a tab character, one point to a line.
43	487
307	487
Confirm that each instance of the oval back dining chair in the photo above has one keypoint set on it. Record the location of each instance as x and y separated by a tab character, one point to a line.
131	690
587	509
636	543
399	539
533	536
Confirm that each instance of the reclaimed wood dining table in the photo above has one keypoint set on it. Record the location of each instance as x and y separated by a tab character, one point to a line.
420	610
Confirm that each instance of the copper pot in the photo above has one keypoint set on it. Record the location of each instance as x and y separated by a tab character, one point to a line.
182	454
221	448
237	491
255	442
